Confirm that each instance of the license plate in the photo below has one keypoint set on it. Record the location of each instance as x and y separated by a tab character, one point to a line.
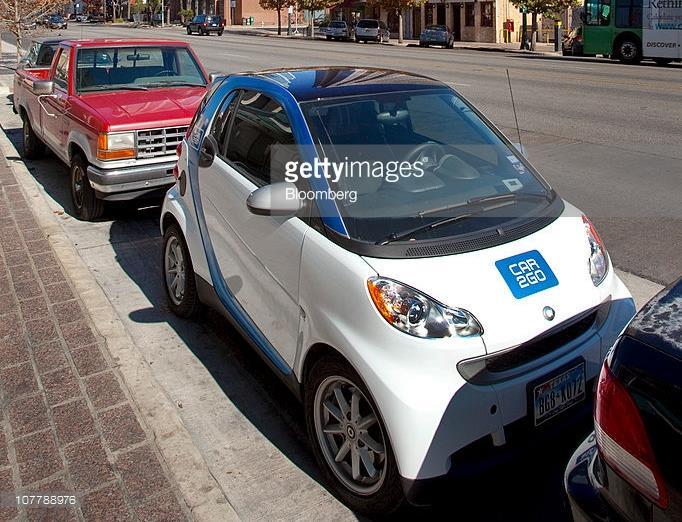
558	393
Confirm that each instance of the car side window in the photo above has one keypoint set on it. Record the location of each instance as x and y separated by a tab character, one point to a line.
259	125
61	72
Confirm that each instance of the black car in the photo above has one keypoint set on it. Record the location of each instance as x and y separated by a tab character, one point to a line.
40	53
630	467
572	44
205	24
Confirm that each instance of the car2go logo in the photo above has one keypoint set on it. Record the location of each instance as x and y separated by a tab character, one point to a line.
526	274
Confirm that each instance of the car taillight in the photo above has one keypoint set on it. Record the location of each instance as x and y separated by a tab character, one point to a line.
176	168
622	439
205	24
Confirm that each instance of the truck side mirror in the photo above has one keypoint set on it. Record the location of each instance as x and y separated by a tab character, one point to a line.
43	87
277	199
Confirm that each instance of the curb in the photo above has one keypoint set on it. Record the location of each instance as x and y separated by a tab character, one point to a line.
203	495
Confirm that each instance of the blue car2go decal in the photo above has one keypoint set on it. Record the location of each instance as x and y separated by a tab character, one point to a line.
526	274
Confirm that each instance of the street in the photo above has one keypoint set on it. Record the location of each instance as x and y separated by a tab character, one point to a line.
606	136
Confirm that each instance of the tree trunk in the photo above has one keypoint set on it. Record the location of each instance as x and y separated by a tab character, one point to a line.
279	21
312	25
533	31
400	26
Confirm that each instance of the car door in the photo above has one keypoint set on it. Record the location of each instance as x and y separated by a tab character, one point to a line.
258	256
55	106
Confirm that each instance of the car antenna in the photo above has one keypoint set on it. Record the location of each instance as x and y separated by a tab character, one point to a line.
516	119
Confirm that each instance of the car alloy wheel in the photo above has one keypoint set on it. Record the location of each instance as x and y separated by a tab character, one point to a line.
175	270
350	435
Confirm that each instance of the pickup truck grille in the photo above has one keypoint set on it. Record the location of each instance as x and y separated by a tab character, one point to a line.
158	142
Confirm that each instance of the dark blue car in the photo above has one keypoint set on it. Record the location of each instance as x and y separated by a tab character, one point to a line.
630	467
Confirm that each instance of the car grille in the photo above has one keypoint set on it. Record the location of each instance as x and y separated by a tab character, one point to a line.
159	142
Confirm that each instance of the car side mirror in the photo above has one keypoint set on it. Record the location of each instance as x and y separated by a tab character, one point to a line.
521	149
207	152
213	77
277	199
43	87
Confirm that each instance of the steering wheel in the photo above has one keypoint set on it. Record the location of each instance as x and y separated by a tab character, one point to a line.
165	72
428	153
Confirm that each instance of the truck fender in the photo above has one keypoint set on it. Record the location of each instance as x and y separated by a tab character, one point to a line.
80	140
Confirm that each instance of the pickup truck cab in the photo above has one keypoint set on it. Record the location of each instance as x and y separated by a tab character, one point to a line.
114	111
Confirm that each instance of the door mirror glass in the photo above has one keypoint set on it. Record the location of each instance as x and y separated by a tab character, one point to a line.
278	199
43	87
208	151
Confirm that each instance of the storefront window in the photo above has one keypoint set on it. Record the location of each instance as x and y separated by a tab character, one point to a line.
486	14
470	14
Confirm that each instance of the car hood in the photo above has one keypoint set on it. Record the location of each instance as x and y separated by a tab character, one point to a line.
134	110
474	282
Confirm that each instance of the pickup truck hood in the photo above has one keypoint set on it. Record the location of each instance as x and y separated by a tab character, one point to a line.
473	281
134	110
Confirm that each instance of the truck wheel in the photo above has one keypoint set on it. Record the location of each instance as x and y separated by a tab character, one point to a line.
629	51
33	147
349	439
85	203
178	274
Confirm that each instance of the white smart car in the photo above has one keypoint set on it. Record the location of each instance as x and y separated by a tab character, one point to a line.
430	312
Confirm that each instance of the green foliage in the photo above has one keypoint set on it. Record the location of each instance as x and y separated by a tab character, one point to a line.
550	8
397	5
315	5
273	4
186	13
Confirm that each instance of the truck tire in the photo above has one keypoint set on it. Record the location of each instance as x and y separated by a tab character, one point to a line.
86	205
33	147
629	51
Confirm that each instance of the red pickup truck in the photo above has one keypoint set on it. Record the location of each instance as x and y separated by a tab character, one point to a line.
114	111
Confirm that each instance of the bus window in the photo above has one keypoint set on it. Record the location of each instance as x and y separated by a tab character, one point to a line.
598	12
629	13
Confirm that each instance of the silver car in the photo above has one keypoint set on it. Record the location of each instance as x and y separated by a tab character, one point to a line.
339	30
372	31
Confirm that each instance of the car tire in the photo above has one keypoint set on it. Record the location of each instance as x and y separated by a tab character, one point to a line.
629	51
183	299
220	33
189	31
86	205
33	147
366	495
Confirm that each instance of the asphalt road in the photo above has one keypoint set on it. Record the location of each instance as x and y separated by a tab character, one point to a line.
607	136
578	121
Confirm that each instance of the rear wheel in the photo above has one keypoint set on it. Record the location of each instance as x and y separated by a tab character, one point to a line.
220	33
33	147
178	274
349	439
85	203
629	51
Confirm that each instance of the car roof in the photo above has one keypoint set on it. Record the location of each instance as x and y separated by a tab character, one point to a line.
312	83
123	42
659	322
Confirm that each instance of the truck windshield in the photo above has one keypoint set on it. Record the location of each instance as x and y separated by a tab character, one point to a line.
112	68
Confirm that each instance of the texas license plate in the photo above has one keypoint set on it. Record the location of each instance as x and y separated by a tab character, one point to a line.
559	393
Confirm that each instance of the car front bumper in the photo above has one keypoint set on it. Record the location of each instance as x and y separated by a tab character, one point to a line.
127	183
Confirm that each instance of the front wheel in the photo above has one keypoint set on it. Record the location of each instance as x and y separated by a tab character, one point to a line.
33	147
349	439
629	51
85	202
178	274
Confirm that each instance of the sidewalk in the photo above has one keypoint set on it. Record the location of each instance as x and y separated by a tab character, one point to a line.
69	424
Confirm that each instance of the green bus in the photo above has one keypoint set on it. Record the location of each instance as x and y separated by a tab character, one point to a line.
631	30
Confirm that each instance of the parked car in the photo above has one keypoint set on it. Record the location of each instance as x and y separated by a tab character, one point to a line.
572	44
371	30
40	53
114	111
420	319
57	22
339	30
206	24
437	35
629	468
95	18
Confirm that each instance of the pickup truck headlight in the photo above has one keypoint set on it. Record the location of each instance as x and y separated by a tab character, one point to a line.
114	146
598	262
414	313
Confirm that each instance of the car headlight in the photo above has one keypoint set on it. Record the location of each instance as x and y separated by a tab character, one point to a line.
113	146
414	313
598	261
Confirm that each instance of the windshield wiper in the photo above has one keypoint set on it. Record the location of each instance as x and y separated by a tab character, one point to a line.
438	223
512	196
114	88
170	83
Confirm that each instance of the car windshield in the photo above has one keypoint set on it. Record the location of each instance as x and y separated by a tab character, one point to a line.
436	28
338	24
413	158
213	20
368	24
114	68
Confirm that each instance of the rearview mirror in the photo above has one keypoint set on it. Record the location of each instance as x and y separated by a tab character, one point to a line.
278	199
43	87
207	151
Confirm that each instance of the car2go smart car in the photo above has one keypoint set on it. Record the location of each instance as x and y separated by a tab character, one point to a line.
426	315
629	468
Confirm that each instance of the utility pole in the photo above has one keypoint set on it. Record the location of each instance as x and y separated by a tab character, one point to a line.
163	13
